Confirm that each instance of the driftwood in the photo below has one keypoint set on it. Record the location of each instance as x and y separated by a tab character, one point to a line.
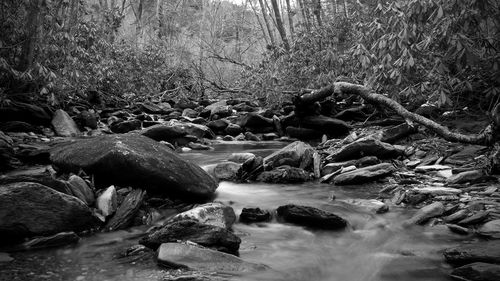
488	136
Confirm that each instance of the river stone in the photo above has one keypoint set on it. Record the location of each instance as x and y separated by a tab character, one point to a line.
163	132
29	209
431	168
365	174
476	218
478	271
298	154
490	229
81	189
241	157
467	176
127	211
425	213
438	190
42	175
56	240
218	125
197	130
255	122
284	174
125	126
249	215
310	217
137	161
191	113
210	236
488	252
233	129
325	125
226	170
457	216
106	202
211	109
365	147
64	125
178	255
215	213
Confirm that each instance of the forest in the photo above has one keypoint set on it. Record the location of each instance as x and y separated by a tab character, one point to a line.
249	140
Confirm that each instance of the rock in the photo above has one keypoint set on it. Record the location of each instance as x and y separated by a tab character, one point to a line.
127	211
177	255
211	109
490	229
81	189
256	123
463	177
251	137
478	271
56	240
431	168
458	229
106	202
29	209
215	213
125	126
184	103
365	174
198	146
163	132
18	127
477	218
233	129
488	252
29	113
457	216
221	112
438	190
250	168
425	213
365	147
284	174
152	108
226	170
249	215
302	133
210	236
310	217
42	175
466	155
64	125
325	125
7	153
269	136
397	132
197	130
241	157
137	161
188	112
218	125
297	154
87	119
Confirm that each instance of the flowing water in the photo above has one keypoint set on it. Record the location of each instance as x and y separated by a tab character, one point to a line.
374	247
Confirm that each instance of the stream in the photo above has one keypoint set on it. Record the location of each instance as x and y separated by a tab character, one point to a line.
374	247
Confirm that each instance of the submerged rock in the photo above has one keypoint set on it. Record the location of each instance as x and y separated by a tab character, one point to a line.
425	213
134	160
206	235
249	215
177	255
215	213
478	271
284	174
488	252
296	154
311	217
29	209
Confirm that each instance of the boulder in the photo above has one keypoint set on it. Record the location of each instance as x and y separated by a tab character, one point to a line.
107	201
284	174
81	189
29	113
210	236
178	255
310	217
209	110
215	213
226	170
425	213
488	252
233	129
241	157
365	147
137	161
125	126
127	211
490	229
64	125
163	132
478	271
256	123
467	176
297	154
397	132
197	130
249	215
218	125
364	175
29	209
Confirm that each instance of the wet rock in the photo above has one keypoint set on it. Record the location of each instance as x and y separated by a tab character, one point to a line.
437	190
457	216
256	123
137	161
87	119
7	153
298	154
241	157
284	174
210	236
128	209
397	132
125	126
64	125
218	125
302	133
269	136
81	189
233	129
249	215
425	213
365	147
251	136
56	240
477	218
488	252
215	213
163	132
29	209
458	229
106	202
18	127
463	177
43	175
478	271
431	168
188	112
365	174
490	229
310	217
177	255
197	130
29	113
226	170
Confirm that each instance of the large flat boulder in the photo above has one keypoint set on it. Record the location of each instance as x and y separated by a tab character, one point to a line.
134	160
178	255
30	209
488	252
366	174
206	235
296	154
310	217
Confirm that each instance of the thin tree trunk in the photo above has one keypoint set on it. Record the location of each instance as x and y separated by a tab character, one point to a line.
346	12
260	23
279	24
305	18
290	18
32	32
317	12
266	20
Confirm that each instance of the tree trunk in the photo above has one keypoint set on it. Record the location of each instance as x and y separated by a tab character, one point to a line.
32	32
266	21
346	12
260	23
317	12
279	23
290	18
487	137
305	17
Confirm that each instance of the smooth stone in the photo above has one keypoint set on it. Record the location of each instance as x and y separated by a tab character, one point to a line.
215	213
126	126
300	154
488	252
477	218
106	202
64	125
457	216
425	213
311	217
81	189
365	147
467	176
478	271
365	174
210	236
177	255
490	229
241	157
249	215
458	229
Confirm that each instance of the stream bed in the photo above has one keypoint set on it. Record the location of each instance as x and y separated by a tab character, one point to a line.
373	247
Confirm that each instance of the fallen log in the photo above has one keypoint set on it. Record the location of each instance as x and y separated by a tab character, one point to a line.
488	136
